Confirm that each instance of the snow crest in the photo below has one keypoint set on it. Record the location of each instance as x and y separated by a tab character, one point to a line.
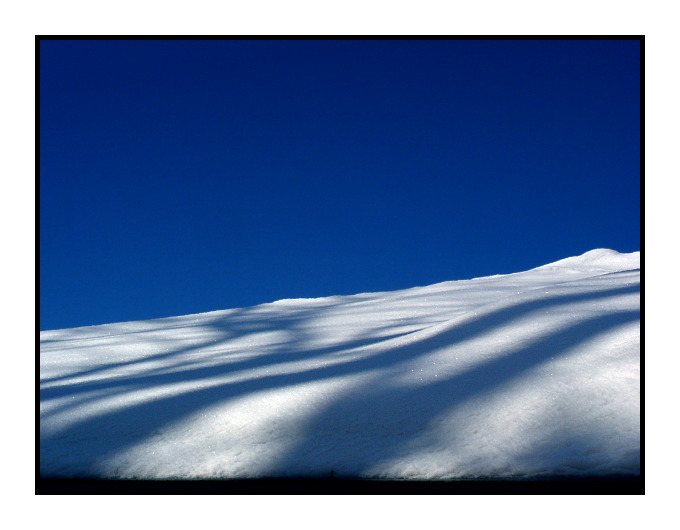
598	259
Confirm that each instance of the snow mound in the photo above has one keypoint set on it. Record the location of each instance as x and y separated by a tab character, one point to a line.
602	259
520	375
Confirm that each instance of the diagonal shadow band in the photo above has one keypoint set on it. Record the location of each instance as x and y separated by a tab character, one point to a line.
296	351
378	435
163	377
114	431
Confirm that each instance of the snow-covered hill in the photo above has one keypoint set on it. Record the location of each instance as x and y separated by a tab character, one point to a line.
521	375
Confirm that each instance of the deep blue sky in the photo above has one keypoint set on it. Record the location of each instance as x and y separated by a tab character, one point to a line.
180	177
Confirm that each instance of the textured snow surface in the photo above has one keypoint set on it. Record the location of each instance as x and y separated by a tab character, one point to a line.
526	374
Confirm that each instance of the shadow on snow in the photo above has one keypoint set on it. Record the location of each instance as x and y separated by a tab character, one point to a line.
117	430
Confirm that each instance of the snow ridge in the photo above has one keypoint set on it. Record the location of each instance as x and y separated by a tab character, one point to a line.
519	375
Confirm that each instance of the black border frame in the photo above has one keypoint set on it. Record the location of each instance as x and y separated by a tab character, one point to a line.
559	485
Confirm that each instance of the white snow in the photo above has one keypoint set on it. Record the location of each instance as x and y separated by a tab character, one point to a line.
519	375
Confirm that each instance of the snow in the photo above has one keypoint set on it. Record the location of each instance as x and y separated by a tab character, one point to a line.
521	375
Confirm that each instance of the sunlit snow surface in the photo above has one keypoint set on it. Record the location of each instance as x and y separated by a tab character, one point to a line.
520	375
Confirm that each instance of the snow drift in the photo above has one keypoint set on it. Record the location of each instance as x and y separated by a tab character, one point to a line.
512	376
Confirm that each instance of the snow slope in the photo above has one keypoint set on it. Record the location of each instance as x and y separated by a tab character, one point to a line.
520	375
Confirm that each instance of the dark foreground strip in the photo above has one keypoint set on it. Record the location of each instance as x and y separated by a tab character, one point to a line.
605	485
